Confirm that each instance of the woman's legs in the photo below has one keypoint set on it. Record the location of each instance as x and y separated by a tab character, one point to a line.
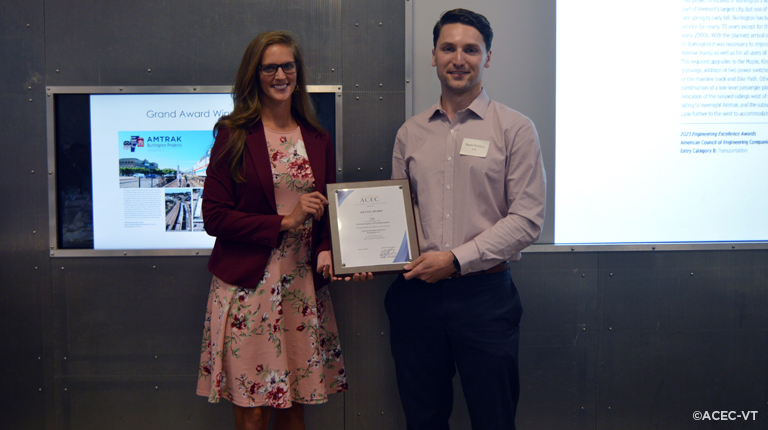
251	418
258	418
291	418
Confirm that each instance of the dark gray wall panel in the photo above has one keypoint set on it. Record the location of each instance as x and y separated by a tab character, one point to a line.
374	46
21	48
664	291
682	332
123	327
24	181
374	86
372	401
558	337
23	225
328	415
658	380
154	309
196	42
24	318
371	121
133	403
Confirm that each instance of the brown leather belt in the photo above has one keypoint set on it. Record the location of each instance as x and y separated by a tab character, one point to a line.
495	269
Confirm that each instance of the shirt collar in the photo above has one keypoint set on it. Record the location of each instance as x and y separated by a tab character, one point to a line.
479	105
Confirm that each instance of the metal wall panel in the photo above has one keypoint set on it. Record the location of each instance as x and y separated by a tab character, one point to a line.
374	46
371	121
374	86
374	100
24	320
128	332
23	276
372	402
679	333
22	37
558	340
374	108
168	43
23	178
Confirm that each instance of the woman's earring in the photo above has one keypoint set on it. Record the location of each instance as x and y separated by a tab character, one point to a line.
296	88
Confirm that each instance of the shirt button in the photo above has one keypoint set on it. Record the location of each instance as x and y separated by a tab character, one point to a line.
447	245
448	187
453	131
450	158
447	215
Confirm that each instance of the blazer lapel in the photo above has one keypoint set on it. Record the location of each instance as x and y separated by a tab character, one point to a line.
257	148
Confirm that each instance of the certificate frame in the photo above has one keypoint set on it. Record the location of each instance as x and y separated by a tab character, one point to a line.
339	192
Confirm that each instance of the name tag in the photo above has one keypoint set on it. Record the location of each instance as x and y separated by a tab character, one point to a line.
474	147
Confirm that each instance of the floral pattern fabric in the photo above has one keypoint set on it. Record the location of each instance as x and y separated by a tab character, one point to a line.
277	343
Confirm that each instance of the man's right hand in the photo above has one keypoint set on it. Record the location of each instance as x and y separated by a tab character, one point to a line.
431	266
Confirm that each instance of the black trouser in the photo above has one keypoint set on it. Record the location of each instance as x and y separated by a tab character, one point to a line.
469	323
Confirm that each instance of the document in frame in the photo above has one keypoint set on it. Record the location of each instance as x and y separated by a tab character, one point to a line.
372	226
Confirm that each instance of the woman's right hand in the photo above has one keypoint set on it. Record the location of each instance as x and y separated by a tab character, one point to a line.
309	205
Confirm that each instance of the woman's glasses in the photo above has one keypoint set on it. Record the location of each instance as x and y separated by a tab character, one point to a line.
271	69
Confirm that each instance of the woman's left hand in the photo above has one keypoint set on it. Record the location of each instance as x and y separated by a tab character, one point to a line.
325	264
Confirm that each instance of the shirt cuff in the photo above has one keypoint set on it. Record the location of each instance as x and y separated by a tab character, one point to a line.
468	256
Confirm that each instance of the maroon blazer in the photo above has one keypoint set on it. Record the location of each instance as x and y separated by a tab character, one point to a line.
243	217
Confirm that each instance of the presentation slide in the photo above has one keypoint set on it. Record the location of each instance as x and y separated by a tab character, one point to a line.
149	157
662	121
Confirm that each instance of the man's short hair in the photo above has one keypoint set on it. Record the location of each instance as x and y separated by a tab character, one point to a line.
466	17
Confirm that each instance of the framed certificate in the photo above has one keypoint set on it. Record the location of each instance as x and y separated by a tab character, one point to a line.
372	226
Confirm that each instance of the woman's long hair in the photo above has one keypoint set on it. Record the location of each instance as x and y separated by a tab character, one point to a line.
247	93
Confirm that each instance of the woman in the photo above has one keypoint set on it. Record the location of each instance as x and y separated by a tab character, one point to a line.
270	342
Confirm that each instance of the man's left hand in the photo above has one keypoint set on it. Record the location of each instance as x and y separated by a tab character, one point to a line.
431	266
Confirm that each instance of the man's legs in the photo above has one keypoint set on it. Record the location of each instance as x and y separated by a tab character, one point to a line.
485	340
423	360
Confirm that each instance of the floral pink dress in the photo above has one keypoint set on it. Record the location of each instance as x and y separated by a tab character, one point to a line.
277	343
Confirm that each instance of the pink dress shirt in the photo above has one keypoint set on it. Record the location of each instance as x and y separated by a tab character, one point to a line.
483	209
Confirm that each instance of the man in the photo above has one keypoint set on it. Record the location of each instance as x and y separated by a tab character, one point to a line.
478	183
